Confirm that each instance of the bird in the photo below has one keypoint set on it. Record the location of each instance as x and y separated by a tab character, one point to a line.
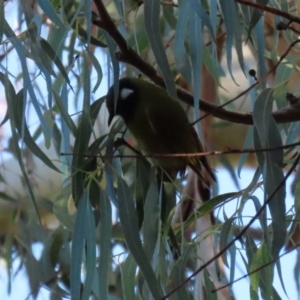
159	124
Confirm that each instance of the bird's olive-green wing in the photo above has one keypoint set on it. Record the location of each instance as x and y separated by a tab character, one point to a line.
162	127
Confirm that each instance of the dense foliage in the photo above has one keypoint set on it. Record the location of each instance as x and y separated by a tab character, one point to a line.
96	209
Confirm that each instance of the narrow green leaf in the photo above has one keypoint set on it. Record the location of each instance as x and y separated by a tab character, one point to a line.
86	84
55	58
168	13
212	65
225	238
151	223
130	228
279	271
152	16
203	16
50	12
260	39
128	271
105	244
228	9
64	112
238	37
178	274
78	162
60	208
265	274
209	206
98	70
5	119
196	50
27	83
8	198
259	155
209	286
90	237
180	56
2	18
110	190
78	243
66	124
142	182
51	254
11	98
256	14
25	134
269	137
251	250
247	144
257	206
83	34
87	8
115	64
213	15
226	162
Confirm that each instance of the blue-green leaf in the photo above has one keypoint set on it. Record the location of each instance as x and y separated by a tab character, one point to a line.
203	16
78	242
66	124
62	105
115	64
271	166
260	39
27	83
11	98
47	7
152	16
19	107
151	223
88	19
2	18
181	59
80	148
129	222
55	58
128	271
247	144
90	237
98	70
256	14
179	270
238	38
105	244
228	8
196	49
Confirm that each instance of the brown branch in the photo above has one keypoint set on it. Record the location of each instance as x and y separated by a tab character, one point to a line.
129	56
271	10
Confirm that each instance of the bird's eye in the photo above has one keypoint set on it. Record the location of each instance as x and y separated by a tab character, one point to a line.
124	93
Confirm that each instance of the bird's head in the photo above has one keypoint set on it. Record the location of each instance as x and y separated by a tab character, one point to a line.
126	101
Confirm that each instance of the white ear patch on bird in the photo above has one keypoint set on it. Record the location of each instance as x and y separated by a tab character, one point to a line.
125	92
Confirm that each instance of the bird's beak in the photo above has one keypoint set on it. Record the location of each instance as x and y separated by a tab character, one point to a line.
110	118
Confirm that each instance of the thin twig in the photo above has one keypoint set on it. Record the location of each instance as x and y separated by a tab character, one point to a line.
199	154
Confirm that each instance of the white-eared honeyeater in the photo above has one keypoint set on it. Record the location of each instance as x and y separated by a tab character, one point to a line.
158	123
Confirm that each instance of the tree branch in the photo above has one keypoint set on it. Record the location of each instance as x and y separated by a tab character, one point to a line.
129	56
271	10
